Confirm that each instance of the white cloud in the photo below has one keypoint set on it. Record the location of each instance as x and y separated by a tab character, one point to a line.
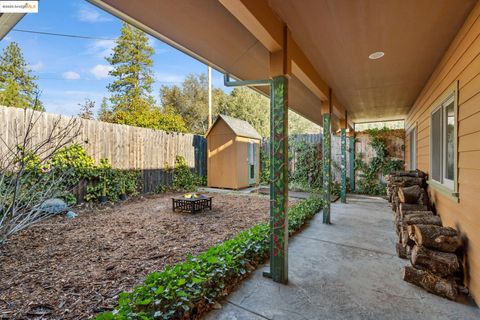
71	75
101	71
36	66
102	48
90	14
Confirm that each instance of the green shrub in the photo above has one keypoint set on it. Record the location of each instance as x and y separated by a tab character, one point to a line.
188	288
184	180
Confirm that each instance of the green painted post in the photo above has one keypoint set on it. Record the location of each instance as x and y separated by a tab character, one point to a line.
352	163
279	180
343	166
327	176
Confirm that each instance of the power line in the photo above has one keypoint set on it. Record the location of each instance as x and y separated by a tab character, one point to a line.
76	36
73	36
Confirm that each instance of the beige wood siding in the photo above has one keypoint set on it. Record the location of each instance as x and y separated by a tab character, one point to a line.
222	153
228	158
460	63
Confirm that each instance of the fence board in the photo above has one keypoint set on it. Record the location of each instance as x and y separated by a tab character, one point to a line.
126	147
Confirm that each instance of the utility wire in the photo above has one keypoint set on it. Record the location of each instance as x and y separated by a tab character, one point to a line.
65	35
61	34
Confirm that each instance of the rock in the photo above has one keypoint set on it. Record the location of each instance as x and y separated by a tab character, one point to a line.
217	306
53	206
70	215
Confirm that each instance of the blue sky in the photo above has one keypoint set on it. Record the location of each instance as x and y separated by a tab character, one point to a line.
71	69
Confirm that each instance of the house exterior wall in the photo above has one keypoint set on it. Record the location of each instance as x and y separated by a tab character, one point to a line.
459	67
222	155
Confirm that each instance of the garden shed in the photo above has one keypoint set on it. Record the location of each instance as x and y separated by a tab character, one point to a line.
233	154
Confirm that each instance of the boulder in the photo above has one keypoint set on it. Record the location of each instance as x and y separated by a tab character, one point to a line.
53	206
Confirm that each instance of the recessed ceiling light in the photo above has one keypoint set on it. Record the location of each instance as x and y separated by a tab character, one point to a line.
376	55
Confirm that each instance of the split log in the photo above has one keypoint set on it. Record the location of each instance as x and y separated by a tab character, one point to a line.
401	251
439	263
405	238
407	181
444	239
411	207
424	217
407	213
411	173
410	194
430	282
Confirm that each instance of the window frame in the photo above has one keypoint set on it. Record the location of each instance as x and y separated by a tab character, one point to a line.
412	130
446	186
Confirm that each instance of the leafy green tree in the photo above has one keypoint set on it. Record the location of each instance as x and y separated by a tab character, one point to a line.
248	105
17	84
190	101
300	125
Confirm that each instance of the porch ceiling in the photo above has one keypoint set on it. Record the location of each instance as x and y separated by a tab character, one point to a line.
339	35
336	36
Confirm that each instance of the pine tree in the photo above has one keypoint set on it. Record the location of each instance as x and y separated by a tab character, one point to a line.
17	85
132	62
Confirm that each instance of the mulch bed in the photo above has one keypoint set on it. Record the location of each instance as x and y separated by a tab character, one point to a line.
74	269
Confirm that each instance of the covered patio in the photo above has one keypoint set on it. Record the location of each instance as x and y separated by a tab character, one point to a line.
347	270
338	63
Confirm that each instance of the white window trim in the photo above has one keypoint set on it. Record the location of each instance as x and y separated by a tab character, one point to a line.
447	186
413	129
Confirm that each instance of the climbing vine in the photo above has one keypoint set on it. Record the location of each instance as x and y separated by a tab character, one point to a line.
307	174
382	164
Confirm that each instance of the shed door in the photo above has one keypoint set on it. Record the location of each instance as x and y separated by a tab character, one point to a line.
252	159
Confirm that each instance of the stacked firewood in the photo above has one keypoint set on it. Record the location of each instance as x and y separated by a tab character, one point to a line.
433	250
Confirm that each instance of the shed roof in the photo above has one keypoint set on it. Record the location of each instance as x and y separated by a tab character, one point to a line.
239	127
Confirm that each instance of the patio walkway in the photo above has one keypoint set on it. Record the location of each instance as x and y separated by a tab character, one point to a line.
347	270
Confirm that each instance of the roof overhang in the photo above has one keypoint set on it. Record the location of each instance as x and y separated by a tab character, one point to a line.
8	21
324	45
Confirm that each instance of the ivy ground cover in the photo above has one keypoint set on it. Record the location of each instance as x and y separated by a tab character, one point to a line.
190	288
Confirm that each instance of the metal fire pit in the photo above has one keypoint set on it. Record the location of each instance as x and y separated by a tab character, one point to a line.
192	204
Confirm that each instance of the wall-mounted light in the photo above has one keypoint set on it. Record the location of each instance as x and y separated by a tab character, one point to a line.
376	55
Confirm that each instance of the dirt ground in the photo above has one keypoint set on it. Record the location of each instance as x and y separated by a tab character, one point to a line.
74	269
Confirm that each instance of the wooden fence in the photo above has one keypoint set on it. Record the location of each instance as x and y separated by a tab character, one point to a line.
126	147
316	139
363	150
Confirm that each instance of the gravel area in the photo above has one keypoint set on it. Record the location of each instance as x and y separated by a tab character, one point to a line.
74	269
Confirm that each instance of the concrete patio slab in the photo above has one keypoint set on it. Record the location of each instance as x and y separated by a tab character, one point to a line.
347	270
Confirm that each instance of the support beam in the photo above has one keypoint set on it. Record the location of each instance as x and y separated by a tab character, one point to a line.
260	20
326	158
343	163
351	140
279	180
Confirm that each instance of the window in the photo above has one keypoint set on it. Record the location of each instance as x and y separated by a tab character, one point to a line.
412	139
443	142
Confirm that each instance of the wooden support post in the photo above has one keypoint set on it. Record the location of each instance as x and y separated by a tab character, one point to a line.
343	165
326	158
351	140
279	180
